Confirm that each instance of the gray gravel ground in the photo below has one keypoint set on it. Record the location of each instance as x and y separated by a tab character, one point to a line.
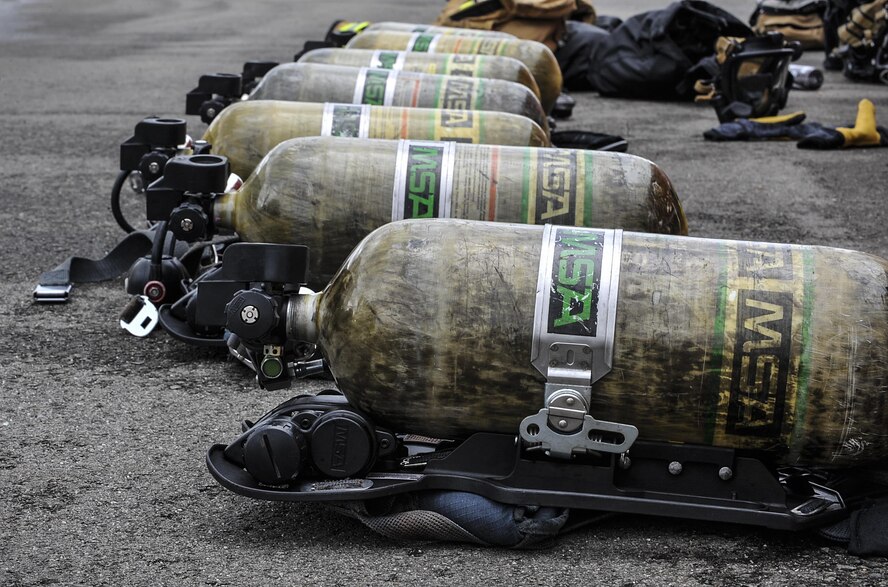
102	436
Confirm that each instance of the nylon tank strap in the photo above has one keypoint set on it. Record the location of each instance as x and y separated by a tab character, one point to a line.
457	516
55	286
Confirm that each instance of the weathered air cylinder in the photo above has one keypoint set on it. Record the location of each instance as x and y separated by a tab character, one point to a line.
308	82
430	29
343	31
537	57
489	66
245	132
328	193
431	327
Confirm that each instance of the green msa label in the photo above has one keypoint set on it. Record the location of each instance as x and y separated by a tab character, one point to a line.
422	43
423	180
375	87
345	120
387	60
576	301
576	281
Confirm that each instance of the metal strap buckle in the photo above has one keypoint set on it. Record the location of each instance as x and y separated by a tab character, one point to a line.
139	317
52	294
579	278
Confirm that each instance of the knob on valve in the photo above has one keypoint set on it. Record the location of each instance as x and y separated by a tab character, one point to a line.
189	222
252	315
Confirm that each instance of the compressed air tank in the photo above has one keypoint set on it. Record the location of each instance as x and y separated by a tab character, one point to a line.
308	82
537	57
328	193
489	66
432	327
245	132
407	27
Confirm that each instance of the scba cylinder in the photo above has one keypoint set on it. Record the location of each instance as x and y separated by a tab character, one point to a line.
537	57
438	328
484	66
411	28
308	82
328	193
245	132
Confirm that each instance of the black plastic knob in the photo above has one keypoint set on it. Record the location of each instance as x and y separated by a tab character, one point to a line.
151	166
276	452
252	315
189	222
210	109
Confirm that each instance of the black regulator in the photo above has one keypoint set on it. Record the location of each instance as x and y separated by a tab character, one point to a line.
144	156
216	91
245	297
319	438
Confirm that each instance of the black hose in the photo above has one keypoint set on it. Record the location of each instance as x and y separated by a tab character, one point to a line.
115	202
160	233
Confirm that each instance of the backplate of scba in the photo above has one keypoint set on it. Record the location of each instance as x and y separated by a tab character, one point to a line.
320	448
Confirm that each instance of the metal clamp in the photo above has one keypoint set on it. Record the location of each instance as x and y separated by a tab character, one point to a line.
824	499
52	294
573	338
563	428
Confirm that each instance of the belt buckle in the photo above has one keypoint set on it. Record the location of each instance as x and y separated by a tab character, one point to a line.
139	317
52	294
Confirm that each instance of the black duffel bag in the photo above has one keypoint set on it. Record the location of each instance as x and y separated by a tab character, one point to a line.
649	55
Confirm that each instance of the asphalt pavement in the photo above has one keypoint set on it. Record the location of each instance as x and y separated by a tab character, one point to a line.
102	435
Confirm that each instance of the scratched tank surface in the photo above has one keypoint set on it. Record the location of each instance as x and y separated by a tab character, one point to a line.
309	82
245	132
536	56
409	27
328	193
489	66
728	343
104	435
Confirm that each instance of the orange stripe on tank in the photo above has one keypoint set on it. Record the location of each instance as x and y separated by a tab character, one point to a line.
404	123
494	171
414	99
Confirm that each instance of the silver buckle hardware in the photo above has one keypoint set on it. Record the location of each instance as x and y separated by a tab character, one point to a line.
52	294
139	317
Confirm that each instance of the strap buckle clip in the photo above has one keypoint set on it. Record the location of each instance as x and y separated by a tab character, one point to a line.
52	294
139	317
